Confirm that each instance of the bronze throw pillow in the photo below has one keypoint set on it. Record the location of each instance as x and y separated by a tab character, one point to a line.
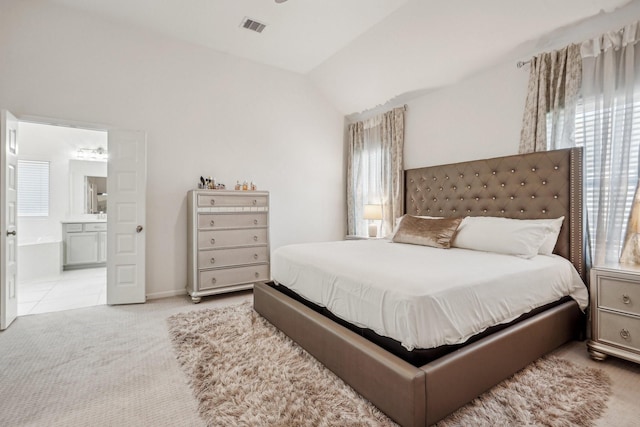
427	232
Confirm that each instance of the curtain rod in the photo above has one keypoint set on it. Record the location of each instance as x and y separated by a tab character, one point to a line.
521	64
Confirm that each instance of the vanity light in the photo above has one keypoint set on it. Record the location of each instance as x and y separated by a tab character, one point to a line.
97	154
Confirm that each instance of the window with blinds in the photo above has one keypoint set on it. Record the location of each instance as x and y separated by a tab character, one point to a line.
33	188
602	166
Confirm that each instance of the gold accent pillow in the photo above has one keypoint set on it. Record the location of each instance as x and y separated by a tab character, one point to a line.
435	232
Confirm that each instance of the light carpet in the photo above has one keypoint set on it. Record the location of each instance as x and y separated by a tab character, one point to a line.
245	372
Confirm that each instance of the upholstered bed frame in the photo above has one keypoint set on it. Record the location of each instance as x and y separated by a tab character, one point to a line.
537	185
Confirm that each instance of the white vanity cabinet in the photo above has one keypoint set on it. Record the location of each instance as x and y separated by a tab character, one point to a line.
228	241
85	244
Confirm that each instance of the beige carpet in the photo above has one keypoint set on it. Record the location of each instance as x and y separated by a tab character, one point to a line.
245	372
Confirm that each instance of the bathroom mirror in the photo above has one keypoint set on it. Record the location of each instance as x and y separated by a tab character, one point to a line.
96	194
82	176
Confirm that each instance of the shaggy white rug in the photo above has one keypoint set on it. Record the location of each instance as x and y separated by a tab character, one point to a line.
245	372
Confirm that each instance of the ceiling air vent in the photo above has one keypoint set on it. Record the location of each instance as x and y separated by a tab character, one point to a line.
252	25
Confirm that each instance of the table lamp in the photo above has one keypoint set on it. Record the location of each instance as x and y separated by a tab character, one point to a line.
631	249
372	213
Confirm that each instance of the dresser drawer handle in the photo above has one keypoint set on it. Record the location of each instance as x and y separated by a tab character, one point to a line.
255	202
213	201
255	222
212	223
257	274
255	238
626	299
625	334
213	241
255	256
213	260
213	280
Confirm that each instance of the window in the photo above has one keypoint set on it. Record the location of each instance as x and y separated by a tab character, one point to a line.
33	188
608	193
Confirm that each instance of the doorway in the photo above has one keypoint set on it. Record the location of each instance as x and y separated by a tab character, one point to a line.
62	218
124	239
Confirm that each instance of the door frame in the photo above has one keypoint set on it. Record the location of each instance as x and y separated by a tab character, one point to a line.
43	120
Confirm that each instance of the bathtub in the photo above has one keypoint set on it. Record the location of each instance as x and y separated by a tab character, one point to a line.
39	259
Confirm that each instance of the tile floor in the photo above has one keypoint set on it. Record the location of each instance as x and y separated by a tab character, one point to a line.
70	289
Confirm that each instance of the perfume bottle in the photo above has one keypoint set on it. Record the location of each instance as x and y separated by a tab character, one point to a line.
238	185
245	186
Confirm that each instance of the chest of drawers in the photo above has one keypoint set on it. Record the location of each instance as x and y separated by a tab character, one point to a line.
615	312
228	241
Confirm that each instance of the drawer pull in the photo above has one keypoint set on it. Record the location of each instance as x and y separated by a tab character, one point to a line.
213	260
255	238
626	299
255	256
258	275
255	202
213	280
213	201
625	334
212	223
255	222
213	241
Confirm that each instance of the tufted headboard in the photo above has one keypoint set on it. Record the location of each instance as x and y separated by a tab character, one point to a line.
526	186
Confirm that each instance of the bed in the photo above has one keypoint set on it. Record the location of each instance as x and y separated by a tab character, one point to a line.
532	186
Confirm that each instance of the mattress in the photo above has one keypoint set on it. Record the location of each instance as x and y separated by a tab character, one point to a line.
419	296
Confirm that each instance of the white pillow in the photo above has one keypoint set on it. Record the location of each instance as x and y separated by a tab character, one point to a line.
509	236
551	239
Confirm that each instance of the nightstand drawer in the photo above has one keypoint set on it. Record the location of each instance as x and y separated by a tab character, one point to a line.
233	276
253	219
619	329
237	256
619	294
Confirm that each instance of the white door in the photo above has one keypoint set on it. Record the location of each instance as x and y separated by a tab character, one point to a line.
126	189
8	216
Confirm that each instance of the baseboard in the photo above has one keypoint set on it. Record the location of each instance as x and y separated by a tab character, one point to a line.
167	294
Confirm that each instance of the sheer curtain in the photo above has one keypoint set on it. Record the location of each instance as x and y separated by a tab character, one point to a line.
554	85
375	170
610	120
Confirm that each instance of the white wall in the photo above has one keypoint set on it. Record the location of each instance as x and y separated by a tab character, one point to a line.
205	113
475	119
481	116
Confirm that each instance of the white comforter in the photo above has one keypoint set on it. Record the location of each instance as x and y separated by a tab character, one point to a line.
420	296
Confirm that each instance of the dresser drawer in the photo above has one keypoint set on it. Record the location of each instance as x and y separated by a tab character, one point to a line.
233	276
223	238
619	294
235	256
231	200
619	329
249	219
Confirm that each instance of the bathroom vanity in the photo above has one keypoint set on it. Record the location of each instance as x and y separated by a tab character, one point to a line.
85	244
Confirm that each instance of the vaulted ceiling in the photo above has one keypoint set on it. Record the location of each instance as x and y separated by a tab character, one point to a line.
360	53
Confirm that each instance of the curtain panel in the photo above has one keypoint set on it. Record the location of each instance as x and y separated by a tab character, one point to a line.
375	170
611	98
549	115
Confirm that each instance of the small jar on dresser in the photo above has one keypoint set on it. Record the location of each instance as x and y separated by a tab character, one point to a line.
615	312
228	241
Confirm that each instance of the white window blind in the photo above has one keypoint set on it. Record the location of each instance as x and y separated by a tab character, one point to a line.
612	121
33	188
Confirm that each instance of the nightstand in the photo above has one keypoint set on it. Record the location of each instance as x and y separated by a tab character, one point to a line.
615	312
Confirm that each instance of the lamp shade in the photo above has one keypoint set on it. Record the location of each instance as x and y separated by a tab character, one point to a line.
372	212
